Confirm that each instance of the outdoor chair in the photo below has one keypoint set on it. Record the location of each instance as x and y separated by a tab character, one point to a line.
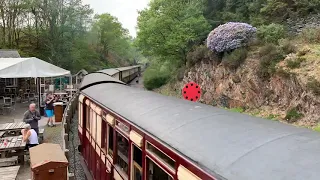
14	91
26	97
12	96
7	90
7	104
1	99
31	97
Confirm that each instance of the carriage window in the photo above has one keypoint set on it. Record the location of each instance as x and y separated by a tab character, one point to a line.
160	155
110	140
137	163
123	127
155	172
122	153
104	137
88	118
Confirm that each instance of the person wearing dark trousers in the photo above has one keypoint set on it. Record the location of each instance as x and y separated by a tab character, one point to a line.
32	116
49	109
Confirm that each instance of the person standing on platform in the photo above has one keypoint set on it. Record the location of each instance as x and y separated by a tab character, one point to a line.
49	109
32	116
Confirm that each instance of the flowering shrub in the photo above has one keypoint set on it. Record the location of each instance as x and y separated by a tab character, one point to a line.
230	36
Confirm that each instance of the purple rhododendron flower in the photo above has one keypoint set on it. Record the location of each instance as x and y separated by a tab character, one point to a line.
230	36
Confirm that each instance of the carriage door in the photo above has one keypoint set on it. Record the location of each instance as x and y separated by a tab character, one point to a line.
136	163
86	134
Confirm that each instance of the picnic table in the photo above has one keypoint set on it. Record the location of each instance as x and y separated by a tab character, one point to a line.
7	144
9	173
11	127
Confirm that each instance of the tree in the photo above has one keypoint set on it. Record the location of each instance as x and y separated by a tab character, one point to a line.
57	31
168	29
112	39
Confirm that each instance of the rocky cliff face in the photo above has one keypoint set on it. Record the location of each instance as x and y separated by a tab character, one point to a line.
243	88
296	25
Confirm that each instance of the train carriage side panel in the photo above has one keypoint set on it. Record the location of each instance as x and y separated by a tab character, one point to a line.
203	153
117	76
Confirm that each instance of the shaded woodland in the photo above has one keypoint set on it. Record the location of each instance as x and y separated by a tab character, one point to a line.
65	33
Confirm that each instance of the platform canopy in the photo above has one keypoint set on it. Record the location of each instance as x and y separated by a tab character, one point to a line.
29	67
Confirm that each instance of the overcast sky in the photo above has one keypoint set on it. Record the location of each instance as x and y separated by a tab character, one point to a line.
124	10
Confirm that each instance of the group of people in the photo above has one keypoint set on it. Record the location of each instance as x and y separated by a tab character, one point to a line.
31	118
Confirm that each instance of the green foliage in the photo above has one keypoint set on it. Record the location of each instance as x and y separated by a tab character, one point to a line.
270	55
311	35
287	46
63	33
302	52
266	49
295	63
314	86
169	29
180	73
156	76
317	128
280	10
283	73
273	117
238	109
235	58
201	53
112	40
271	33
293	115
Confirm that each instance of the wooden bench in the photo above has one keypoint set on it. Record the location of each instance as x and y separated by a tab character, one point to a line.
41	132
9	173
4	162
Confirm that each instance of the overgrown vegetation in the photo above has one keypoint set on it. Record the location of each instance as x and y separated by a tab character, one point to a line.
283	73
314	86
271	33
287	46
317	128
201	53
156	75
311	35
177	31
293	115
270	55
238	109
273	117
295	63
65	33
235	58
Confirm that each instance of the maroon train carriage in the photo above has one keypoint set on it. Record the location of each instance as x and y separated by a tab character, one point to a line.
132	134
124	74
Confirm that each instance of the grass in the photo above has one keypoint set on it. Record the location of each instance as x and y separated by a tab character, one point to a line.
273	117
317	128
238	110
314	86
293	115
292	64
